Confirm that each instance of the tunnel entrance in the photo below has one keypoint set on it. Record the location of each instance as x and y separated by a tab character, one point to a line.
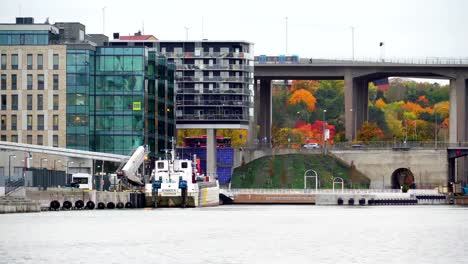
403	178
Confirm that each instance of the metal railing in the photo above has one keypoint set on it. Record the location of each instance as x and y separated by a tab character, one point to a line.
410	61
309	191
11	186
377	145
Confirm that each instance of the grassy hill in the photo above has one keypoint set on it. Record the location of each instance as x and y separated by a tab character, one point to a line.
287	171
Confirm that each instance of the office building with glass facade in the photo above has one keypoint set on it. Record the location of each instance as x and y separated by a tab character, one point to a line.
64	88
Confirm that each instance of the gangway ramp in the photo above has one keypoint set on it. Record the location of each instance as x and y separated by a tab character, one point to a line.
62	152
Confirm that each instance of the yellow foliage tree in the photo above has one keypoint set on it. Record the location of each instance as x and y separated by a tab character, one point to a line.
443	109
303	96
393	124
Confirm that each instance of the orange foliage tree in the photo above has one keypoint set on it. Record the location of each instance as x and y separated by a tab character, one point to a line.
370	132
303	96
380	103
310	86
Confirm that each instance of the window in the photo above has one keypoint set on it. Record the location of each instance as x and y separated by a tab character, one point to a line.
56	61
14	82
29	102
40	102
29	139
56	102
55	141
3	122
3	138
29	122
4	102
40	140
14	102
4	62
30	61
56	81
40	122
14	138
14	61
40	82
3	82
14	121
40	61
30	82
55	120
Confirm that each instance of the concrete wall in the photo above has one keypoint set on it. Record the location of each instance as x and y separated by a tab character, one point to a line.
429	167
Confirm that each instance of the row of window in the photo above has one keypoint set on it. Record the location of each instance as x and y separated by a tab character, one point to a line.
29	139
29	102
29	62
29	82
29	121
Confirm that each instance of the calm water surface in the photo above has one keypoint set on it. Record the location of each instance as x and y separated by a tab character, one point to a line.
239	234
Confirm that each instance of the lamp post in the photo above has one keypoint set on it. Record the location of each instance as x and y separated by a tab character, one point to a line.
435	127
55	163
68	164
354	125
9	166
43	160
324	136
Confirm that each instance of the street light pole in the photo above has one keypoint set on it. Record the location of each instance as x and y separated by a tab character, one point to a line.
43	160
9	166
324	136
435	127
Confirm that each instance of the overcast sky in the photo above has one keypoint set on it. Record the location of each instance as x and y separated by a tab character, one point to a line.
320	29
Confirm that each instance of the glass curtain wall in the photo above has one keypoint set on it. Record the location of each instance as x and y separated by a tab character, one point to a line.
80	85
119	99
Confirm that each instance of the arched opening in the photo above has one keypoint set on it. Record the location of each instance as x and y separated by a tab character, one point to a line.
403	178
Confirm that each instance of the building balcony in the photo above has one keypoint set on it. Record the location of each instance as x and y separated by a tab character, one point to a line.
241	91
213	117
211	79
210	103
188	55
232	67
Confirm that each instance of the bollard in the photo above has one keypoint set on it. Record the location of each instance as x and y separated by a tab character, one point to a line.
128	205
120	205
110	205
351	201
101	205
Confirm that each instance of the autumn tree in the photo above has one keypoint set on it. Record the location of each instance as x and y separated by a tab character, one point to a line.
370	132
303	96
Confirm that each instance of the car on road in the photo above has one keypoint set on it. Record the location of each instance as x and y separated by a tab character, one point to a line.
311	146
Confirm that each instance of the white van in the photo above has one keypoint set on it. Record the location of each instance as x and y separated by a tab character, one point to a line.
83	180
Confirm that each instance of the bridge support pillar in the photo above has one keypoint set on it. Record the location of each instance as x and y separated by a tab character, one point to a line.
356	104
211	167
458	131
264	111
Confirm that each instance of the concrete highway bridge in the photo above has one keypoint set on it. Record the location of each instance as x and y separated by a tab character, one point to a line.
356	76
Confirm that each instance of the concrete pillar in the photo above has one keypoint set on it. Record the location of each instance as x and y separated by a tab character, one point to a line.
350	108
356	104
211	152
453	112
264	110
462	126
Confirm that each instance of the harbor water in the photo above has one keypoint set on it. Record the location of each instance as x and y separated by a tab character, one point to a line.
239	234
